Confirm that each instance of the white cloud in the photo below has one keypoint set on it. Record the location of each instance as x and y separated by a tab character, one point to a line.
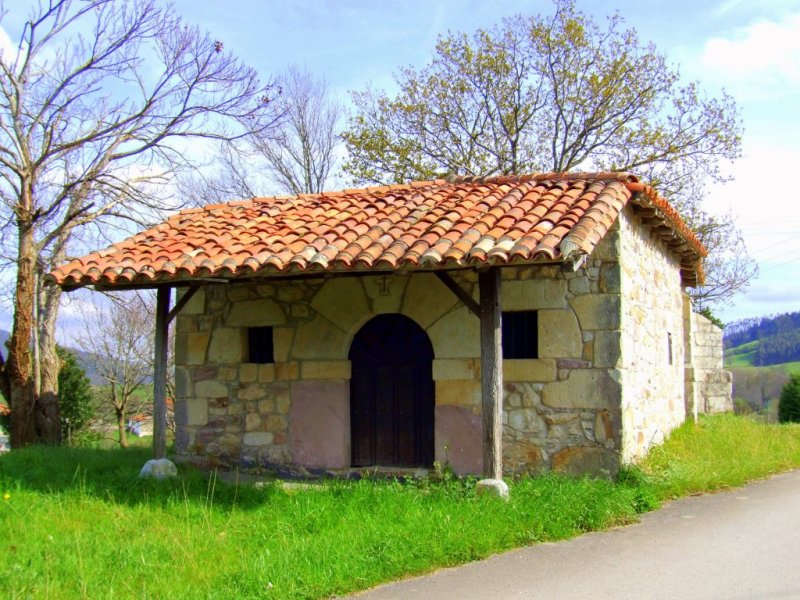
7	48
758	60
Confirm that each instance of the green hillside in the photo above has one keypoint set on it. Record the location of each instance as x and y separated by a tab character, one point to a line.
763	341
741	356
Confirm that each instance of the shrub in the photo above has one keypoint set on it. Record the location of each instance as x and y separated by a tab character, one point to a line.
74	396
789	405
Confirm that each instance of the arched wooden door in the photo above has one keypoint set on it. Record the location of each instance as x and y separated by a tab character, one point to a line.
391	394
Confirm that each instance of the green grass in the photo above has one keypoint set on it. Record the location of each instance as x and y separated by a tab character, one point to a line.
78	523
721	452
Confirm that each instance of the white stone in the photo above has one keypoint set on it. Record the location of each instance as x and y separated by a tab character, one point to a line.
492	487
226	347
161	468
342	301
256	313
456	335
534	294
426	299
257	438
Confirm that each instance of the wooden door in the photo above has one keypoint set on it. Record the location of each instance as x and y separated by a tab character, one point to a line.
391	394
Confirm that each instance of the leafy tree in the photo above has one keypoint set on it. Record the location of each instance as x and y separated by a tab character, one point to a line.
789	405
74	395
98	101
556	93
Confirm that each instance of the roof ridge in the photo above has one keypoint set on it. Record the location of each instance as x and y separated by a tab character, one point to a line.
623	176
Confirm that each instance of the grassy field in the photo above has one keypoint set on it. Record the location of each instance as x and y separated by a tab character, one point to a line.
78	523
741	356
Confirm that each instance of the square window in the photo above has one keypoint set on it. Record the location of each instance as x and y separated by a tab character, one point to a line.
520	330
259	345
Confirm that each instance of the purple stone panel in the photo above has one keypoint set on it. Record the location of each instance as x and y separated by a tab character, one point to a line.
460	430
319	424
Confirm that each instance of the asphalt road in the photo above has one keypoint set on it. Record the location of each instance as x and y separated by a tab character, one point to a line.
733	545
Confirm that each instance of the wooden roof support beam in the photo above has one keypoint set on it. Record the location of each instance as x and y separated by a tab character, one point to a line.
491	373
160	373
182	302
460	292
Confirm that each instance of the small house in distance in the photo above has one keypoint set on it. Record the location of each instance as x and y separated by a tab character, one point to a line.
343	330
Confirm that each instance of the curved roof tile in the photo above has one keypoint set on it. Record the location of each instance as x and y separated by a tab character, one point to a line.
458	222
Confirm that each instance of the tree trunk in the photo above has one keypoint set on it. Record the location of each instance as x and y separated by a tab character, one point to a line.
18	366
48	421
123	435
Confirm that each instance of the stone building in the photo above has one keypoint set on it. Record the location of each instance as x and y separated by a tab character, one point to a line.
341	330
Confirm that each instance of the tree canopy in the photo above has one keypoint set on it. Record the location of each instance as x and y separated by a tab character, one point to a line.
556	93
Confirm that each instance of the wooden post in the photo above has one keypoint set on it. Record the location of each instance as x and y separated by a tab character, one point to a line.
160	374
491	373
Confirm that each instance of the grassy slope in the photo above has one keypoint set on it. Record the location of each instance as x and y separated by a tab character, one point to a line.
78	523
744	355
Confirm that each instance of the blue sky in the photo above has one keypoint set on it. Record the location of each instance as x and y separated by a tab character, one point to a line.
752	49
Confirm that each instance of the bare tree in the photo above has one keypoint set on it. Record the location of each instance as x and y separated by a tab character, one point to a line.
298	156
97	105
302	152
118	334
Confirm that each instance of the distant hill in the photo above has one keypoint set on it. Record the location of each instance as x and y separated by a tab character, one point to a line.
85	359
772	340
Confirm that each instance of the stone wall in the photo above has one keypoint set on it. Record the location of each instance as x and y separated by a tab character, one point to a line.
561	410
608	382
652	339
708	386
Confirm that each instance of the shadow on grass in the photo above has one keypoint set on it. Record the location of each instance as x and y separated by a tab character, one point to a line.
112	475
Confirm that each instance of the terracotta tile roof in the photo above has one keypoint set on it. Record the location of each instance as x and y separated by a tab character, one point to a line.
452	223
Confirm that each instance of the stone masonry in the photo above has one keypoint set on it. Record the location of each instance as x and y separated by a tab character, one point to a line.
709	386
608	383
